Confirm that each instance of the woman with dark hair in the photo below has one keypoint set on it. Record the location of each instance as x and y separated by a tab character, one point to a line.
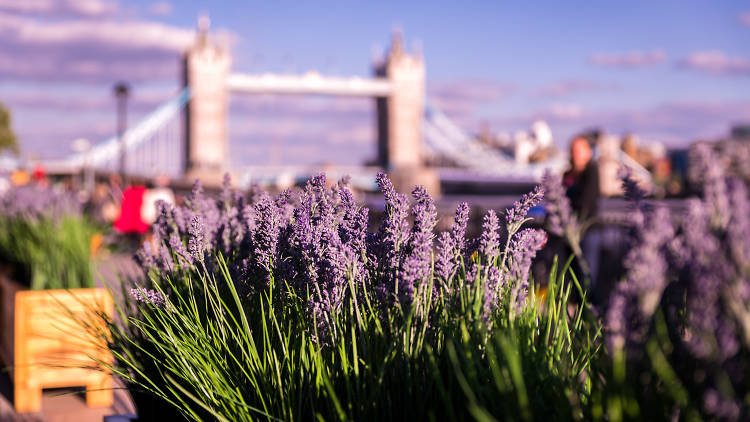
582	180
582	187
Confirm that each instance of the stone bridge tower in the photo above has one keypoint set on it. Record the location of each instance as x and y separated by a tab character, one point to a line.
207	65
400	118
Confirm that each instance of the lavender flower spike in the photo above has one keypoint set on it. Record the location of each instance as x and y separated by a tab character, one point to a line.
444	263
633	192
148	296
197	238
523	248
489	243
561	219
515	216
417	265
458	230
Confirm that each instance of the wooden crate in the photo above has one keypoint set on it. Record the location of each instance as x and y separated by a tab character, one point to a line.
52	349
8	289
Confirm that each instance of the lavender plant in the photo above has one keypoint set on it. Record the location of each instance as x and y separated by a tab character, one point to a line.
45	238
561	220
679	318
289	308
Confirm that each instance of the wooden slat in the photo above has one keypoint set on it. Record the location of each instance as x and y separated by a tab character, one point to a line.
52	348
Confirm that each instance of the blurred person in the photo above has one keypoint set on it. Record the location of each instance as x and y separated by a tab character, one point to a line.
581	182
130	221
662	176
39	175
101	205
115	185
158	191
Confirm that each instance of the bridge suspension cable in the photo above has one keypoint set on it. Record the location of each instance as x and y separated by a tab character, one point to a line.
446	138
153	146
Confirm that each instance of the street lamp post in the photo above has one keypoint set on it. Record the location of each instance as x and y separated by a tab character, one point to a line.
122	90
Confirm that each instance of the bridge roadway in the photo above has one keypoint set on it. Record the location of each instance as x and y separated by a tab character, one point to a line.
309	83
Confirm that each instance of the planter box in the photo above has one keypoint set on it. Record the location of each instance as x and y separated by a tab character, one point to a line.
8	291
44	341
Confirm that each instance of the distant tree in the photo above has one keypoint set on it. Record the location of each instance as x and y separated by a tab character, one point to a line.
7	137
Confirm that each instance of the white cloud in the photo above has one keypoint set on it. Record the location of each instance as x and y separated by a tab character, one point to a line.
89	49
114	34
564	111
716	62
631	59
60	7
572	86
471	90
460	99
161	8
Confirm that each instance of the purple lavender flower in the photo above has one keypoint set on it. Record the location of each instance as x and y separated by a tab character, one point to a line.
635	299
265	240
515	216
721	407
163	221
708	272
560	218
34	203
523	248
353	228
391	237
452	245
708	170
646	263
394	230
631	188
146	258
622	318
493	287
148	296
460	221
176	245
489	243
226	197
197	238
417	264
445	262
738	232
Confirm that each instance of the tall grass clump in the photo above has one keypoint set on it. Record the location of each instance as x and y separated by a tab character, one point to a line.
45	238
288	308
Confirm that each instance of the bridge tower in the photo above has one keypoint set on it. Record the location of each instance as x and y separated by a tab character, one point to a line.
400	118
206	66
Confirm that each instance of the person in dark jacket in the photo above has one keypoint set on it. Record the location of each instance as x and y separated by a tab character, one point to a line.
582	180
582	188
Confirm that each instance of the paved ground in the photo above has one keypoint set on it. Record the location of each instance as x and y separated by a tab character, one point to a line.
69	405
62	405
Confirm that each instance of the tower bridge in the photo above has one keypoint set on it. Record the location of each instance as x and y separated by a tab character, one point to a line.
187	137
398	88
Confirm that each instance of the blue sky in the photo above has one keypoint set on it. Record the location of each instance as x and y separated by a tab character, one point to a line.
670	72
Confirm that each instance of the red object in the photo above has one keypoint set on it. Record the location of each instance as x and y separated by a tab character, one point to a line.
39	173
130	220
